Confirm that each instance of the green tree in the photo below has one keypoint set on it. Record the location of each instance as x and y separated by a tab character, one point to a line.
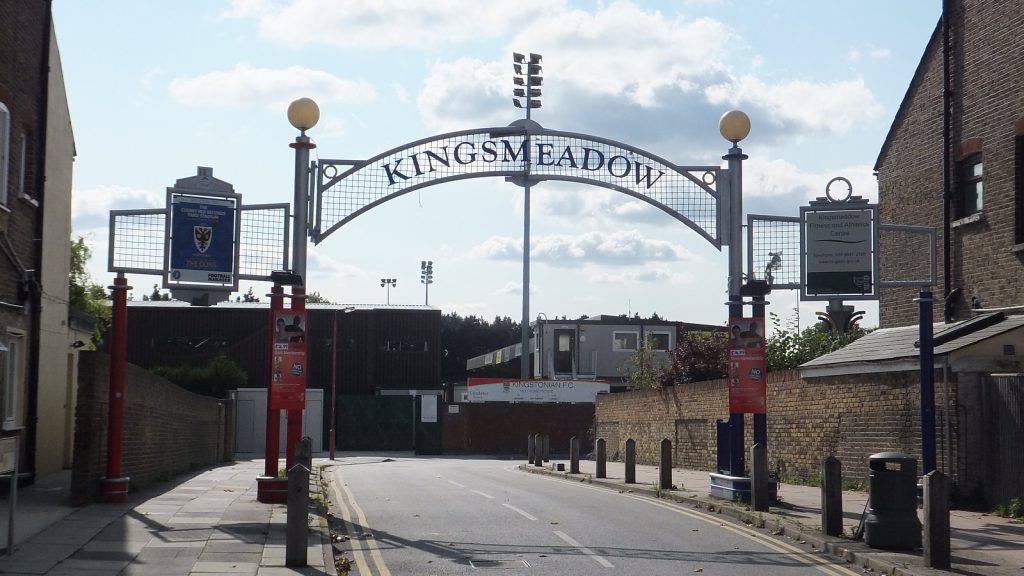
86	295
644	369
249	296
215	378
698	356
465	337
789	348
316	298
156	295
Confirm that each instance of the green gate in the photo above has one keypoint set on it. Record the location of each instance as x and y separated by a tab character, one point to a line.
376	423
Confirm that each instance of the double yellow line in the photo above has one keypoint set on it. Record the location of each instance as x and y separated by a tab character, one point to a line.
337	487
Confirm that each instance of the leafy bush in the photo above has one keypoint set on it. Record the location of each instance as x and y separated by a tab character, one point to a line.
787	348
215	378
698	356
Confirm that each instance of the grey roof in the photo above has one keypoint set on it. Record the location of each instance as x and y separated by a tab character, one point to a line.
893	344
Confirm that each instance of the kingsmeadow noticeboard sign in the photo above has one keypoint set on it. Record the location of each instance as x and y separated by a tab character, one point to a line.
839	247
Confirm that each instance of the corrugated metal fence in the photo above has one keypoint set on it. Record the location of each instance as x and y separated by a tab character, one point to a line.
1002	404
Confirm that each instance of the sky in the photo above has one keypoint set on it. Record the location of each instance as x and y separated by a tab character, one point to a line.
158	88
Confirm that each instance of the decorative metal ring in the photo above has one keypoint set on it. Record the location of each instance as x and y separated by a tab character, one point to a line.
708	177
828	189
330	171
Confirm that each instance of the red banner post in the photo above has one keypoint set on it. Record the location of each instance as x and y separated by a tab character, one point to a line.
270	488
747	366
295	371
115	486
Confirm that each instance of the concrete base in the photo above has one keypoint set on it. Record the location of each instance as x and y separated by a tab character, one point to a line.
115	490
737	488
272	489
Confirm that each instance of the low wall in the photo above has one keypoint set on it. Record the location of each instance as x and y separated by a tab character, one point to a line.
167	430
849	417
501	428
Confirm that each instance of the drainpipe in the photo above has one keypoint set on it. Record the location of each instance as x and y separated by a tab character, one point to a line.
35	285
947	177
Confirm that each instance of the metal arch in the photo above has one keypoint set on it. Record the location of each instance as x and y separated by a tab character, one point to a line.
693	195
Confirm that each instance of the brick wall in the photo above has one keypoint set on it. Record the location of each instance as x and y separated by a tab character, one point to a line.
167	430
850	417
986	74
499	428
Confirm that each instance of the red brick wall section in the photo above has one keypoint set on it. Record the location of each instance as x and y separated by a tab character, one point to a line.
167	430
850	417
500	428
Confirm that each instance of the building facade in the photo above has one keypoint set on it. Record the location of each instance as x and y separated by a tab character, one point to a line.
954	159
586	348
37	359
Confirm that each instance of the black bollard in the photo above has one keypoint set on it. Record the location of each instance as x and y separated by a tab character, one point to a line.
831	497
630	461
297	520
546	441
529	448
665	465
574	455
759	478
602	459
936	520
538	450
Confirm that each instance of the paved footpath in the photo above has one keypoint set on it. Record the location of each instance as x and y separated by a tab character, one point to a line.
207	523
981	544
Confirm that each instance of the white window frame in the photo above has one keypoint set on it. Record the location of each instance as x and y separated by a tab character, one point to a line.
668	342
14	375
5	152
615	340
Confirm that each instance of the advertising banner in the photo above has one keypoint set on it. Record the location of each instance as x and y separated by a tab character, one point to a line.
544	391
288	374
202	246
747	366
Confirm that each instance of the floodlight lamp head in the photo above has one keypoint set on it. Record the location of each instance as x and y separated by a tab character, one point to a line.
303	114
536	58
734	126
517	103
517	57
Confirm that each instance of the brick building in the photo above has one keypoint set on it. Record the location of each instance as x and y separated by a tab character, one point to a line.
37	359
962	116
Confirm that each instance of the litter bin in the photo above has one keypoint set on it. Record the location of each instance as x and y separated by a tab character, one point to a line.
892	516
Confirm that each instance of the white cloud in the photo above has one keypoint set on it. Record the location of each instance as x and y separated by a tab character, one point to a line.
628	248
271	87
645	275
388	23
90	206
803	106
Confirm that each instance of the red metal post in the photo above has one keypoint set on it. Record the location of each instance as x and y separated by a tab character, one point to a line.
295	416
115	486
273	415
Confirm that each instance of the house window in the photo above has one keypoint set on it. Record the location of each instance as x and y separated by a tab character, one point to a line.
5	145
659	341
625	341
971	185
12	376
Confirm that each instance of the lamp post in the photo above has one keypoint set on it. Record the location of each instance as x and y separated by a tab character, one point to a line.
426	278
389	282
527	84
735	126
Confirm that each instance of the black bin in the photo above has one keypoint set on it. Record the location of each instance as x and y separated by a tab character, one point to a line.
892	516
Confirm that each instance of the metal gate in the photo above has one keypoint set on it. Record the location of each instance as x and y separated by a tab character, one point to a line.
1002	421
376	423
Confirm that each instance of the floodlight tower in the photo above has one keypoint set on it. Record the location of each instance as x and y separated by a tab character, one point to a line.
527	81
426	278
